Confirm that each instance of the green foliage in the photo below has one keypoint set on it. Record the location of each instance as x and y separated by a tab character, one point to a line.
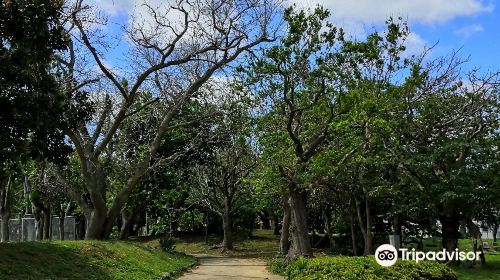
88	260
262	244
167	244
366	268
32	106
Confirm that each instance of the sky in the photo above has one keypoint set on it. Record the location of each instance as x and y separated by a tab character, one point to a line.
472	26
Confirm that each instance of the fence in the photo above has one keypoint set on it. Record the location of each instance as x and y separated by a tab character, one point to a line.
23	229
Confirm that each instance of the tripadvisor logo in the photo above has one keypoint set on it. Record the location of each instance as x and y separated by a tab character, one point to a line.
387	255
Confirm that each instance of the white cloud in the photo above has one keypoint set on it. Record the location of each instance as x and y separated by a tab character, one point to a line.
424	11
414	44
358	17
113	7
364	12
468	30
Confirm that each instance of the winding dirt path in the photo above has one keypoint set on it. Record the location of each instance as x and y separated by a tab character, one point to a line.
215	268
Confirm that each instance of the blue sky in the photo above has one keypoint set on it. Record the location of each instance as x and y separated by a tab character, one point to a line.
470	25
477	36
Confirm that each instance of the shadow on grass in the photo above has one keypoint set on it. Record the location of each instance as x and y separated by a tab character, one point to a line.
43	260
489	271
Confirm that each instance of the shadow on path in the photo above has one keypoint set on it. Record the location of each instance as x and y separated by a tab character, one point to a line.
215	267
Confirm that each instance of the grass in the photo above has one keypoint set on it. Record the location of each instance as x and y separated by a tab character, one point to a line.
489	271
265	245
88	260
262	244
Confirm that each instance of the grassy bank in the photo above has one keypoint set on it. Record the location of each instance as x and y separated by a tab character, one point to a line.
87	260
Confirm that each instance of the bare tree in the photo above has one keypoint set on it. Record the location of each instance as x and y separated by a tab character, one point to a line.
176	48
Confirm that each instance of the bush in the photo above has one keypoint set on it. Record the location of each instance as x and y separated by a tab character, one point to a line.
167	244
347	268
277	266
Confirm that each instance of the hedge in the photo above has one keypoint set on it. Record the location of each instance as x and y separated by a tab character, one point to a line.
355	268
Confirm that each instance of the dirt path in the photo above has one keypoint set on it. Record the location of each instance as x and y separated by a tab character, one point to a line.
215	268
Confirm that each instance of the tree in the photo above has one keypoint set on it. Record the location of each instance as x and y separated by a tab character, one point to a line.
298	75
445	147
31	104
307	79
220	181
162	193
175	59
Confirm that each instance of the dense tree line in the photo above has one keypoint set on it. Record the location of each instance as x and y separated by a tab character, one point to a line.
239	111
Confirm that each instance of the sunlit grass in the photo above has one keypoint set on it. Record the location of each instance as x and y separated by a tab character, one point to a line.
87	260
262	244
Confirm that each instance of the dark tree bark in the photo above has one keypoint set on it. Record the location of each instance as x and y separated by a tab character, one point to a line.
37	213
276	224
128	221
227	242
353	234
475	233
264	217
450	223
364	225
369	235
47	223
396	226
285	227
5	211
62	216
301	245
206	226
5	227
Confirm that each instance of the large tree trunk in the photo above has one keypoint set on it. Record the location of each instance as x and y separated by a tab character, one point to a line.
369	235
353	234
207	220
128	220
301	245
4	231
475	232
95	225
450	223
37	213
365	224
285	227
227	242
362	225
98	218
61	226
47	223
4	208
63	212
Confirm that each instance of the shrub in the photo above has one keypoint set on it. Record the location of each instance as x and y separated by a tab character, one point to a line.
167	244
277	265
354	268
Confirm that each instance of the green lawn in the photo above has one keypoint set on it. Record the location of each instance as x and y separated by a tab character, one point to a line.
262	244
88	260
489	271
265	245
